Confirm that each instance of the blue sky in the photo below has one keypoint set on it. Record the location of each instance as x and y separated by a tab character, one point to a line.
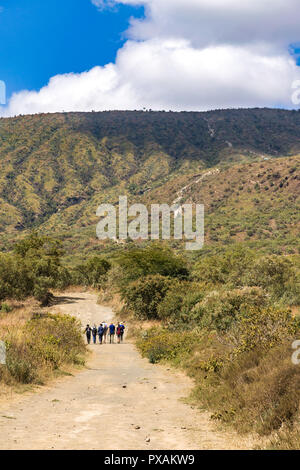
43	38
83	55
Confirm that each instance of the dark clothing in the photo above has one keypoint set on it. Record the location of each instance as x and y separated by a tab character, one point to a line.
112	330
100	330
100	333
94	333
88	332
122	332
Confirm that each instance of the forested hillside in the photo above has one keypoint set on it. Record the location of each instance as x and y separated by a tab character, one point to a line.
57	168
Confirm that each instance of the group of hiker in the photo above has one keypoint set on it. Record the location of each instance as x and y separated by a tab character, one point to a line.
104	331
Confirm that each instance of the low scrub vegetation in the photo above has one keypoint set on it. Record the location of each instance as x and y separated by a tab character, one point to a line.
38	345
228	318
35	267
229	324
32	269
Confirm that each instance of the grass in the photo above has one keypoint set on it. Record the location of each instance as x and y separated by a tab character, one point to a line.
39	347
256	391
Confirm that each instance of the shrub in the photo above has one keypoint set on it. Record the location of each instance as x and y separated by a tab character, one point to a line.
92	273
220	309
178	306
274	274
57	338
261	328
258	391
32	269
5	308
158	344
227	268
43	344
152	260
143	297
21	363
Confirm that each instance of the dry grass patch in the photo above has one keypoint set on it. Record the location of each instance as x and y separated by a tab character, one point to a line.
39	345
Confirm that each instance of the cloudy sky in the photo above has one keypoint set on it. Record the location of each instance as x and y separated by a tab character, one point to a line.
82	55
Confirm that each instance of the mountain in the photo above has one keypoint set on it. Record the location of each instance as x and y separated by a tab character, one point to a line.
57	168
256	202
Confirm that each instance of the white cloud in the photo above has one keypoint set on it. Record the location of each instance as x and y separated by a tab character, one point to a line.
207	22
186	54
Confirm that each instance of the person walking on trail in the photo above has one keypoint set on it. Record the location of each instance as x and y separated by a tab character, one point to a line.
112	330
119	331
94	333
100	333
122	326
105	328
88	332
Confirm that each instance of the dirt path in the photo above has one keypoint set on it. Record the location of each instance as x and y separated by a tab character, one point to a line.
94	410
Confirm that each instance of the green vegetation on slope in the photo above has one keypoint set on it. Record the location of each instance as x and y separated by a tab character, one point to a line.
57	168
230	323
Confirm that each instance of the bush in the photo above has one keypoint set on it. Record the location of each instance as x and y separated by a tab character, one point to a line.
43	344
143	297
244	374
261	328
16	279
56	339
5	308
153	260
276	275
258	391
178	306
220	309
32	270
227	268
21	364
92	273
158	345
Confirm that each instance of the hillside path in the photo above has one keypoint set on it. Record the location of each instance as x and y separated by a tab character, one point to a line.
93	410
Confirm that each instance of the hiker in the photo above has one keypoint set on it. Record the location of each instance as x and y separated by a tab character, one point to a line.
112	330
88	332
119	332
105	328
94	333
100	333
122	330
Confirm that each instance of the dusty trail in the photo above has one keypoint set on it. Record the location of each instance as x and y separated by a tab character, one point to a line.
93	409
